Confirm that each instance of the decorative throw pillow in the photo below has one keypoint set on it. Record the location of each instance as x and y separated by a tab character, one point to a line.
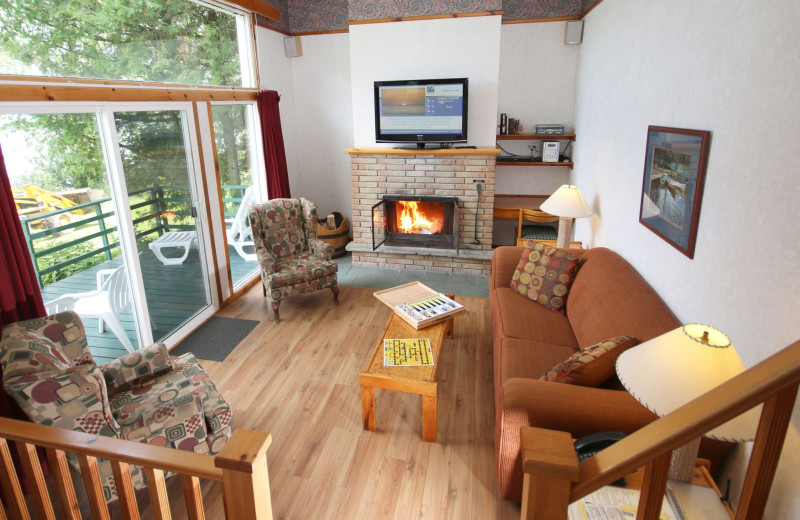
592	365
544	274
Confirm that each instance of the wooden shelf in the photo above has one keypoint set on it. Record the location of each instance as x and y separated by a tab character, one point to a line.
536	137
535	163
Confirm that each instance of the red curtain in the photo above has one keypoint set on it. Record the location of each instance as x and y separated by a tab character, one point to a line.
20	298
274	153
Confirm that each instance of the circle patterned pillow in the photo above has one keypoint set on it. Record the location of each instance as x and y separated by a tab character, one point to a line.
544	274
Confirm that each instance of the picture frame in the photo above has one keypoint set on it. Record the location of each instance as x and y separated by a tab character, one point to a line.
672	187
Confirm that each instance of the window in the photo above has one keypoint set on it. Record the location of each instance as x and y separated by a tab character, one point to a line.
164	41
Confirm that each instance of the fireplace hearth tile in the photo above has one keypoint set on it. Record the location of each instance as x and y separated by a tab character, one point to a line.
475	254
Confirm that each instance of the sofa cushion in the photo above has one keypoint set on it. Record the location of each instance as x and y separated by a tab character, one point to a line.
544	274
592	365
609	298
530	359
516	316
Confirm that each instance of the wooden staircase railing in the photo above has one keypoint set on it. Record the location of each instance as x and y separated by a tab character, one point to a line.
554	478
241	467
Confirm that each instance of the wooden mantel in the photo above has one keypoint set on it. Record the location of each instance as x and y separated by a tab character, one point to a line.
420	151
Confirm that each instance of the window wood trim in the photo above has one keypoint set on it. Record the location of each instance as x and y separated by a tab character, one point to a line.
259	7
35	88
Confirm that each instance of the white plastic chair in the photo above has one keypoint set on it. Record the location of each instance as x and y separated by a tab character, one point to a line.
112	297
240	234
60	304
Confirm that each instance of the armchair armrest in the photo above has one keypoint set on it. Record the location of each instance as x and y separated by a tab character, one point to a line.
265	260
320	248
136	368
74	399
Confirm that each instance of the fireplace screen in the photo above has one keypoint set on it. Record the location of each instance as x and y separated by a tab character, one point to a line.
415	221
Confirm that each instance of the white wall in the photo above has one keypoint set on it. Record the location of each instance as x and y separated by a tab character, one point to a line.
536	85
731	67
316	115
446	48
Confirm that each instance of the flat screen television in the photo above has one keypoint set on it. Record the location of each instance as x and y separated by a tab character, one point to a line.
421	111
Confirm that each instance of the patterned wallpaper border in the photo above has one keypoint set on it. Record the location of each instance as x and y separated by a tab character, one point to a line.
313	16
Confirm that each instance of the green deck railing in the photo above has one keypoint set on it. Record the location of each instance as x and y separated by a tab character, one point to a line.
159	213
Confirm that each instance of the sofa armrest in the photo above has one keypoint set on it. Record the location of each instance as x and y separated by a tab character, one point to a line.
578	410
136	368
74	399
504	262
320	248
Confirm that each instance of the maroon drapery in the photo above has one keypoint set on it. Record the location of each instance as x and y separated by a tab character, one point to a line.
20	298
274	152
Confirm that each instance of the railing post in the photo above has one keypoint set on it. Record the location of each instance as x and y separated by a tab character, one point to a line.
776	416
26	231
245	479
101	222
550	465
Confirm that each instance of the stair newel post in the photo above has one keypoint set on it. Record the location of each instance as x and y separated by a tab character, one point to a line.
550	466
245	479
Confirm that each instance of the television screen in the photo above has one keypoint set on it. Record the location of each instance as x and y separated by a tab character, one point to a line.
421	111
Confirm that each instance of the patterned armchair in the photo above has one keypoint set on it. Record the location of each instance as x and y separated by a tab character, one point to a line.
292	259
143	396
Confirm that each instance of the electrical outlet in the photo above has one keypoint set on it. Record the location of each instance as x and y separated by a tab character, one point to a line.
531	147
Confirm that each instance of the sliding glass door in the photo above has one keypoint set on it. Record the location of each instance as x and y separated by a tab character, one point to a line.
159	179
109	199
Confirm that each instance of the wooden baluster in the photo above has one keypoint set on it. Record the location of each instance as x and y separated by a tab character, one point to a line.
245	478
33	472
775	417
94	487
550	465
194	497
158	493
66	492
125	490
15	502
654	486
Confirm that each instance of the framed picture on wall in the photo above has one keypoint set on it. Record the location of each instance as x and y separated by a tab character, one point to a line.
672	189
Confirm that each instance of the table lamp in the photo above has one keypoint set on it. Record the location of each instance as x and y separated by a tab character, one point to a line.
567	203
672	369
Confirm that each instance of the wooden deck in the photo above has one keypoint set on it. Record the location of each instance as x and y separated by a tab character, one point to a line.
174	294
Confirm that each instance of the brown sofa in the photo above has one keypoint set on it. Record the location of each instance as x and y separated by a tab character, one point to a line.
608	298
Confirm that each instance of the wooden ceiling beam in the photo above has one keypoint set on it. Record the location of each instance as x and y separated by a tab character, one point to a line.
260	7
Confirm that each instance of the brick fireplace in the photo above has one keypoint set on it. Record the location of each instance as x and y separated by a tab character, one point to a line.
433	177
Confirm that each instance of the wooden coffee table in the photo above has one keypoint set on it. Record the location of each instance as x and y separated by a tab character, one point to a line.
412	380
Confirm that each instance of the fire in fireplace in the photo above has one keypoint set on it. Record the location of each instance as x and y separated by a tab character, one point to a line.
415	221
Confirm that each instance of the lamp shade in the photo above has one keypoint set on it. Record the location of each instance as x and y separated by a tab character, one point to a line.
567	202
670	370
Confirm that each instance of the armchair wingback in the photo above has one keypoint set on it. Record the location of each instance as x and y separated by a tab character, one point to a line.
291	257
143	396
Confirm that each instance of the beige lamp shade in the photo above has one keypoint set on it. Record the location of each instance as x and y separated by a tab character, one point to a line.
567	202
669	371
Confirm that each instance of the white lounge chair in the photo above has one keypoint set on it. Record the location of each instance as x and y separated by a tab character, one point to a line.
239	234
112	297
170	239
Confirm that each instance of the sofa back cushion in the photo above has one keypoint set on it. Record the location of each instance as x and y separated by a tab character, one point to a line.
609	298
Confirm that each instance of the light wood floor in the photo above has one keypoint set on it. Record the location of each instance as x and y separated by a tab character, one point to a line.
298	379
